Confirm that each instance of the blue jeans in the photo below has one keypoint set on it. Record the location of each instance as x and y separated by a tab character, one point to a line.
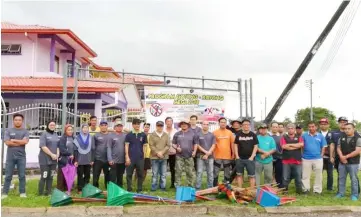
352	170
159	167
20	163
208	166
292	171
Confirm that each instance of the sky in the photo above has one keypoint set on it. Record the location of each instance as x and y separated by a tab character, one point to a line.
263	40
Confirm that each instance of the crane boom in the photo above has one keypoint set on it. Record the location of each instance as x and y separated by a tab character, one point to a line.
306	61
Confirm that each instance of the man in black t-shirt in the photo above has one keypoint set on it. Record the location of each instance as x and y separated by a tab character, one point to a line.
246	143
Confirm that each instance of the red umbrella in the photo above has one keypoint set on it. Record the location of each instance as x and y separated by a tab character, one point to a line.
69	172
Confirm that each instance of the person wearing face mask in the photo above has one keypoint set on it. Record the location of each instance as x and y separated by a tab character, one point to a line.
83	156
66	150
49	153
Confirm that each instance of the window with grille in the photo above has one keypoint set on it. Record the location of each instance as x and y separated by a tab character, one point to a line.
11	49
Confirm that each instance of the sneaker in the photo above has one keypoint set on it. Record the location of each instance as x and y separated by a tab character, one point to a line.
339	195
354	198
23	195
4	196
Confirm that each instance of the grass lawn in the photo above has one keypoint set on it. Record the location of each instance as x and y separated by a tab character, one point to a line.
326	199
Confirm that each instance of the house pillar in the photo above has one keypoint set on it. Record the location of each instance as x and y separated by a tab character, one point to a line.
52	54
98	109
72	63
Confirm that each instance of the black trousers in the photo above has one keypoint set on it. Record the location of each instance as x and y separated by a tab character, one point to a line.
328	166
278	171
97	169
46	179
60	181
83	172
139	167
171	162
116	173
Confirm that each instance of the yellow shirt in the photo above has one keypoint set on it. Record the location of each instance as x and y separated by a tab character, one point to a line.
147	149
93	132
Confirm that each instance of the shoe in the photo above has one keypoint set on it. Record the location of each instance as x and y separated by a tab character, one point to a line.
338	195
354	198
153	190
306	192
172	186
163	189
317	193
23	195
4	196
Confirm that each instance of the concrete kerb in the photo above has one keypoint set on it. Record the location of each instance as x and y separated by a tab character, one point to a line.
20	210
169	209
67	211
308	209
105	211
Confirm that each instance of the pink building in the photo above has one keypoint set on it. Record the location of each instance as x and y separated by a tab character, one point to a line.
32	65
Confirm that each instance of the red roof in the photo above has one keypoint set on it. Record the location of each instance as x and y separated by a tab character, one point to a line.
7	27
54	84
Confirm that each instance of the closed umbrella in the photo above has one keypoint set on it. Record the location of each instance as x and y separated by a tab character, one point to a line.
69	172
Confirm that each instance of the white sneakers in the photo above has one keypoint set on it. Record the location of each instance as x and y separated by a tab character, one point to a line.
4	196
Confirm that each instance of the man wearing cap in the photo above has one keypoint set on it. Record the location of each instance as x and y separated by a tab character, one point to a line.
159	144
100	154
245	149
277	156
223	152
264	158
312	158
185	142
335	136
235	129
327	164
116	154
292	158
134	154
299	130
205	161
348	149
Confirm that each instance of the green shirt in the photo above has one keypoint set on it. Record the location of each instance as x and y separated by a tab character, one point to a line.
266	143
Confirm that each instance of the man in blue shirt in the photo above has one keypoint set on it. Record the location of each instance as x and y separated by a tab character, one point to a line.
314	144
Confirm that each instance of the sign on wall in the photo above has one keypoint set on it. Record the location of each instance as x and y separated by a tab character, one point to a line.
180	104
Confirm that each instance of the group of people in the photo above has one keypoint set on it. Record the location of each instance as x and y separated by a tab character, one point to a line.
276	155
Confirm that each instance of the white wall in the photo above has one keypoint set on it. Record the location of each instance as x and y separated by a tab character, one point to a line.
32	151
19	64
30	61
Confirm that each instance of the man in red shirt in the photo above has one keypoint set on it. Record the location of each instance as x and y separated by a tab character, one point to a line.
292	145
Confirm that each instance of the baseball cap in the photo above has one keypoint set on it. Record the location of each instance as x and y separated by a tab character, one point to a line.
342	118
237	120
159	123
299	126
117	123
262	126
103	123
323	120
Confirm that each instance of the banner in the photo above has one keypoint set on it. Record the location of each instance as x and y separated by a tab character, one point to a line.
180	104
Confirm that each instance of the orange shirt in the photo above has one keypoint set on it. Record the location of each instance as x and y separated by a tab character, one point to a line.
224	146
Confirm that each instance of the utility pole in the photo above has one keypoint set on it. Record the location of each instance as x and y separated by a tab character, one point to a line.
65	94
309	84
306	61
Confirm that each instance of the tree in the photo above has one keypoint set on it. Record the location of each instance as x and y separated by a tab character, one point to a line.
303	116
287	120
357	125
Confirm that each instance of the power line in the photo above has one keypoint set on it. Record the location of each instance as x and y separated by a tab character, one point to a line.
341	33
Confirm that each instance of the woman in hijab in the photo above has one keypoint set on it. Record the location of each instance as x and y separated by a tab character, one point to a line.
49	152
66	149
83	157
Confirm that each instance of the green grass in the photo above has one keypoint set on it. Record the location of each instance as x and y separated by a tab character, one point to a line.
326	199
